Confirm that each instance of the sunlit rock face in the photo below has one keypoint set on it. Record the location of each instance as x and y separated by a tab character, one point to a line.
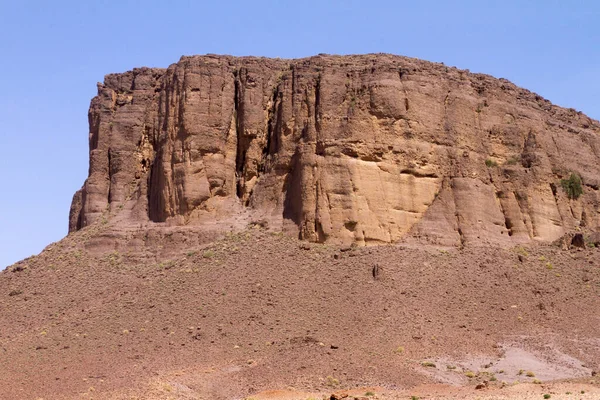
367	149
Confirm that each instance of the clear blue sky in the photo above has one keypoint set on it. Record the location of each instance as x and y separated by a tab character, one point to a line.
52	53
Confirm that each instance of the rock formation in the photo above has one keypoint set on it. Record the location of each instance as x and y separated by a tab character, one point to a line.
346	149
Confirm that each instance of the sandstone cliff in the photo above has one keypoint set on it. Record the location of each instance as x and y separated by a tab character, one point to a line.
347	149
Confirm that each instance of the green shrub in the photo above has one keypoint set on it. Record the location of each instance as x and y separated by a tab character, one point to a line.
490	163
512	161
572	186
208	254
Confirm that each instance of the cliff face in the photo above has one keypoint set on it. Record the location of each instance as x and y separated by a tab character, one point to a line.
367	149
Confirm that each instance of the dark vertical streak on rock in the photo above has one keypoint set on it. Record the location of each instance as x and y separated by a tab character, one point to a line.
292	206
110	172
293	87
165	111
446	123
463	240
317	113
556	201
507	222
94	122
272	142
319	233
75	211
156	202
242	140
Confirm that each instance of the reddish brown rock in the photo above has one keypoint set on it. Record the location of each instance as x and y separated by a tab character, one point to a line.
349	149
578	241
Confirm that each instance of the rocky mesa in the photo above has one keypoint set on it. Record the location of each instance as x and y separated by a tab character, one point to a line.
368	149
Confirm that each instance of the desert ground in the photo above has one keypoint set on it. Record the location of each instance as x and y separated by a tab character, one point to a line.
259	315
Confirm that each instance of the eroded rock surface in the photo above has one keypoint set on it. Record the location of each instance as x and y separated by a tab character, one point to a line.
347	149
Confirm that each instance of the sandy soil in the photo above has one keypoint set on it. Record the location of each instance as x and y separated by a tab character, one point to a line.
255	312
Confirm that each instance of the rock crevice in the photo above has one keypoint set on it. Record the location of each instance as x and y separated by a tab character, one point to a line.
347	149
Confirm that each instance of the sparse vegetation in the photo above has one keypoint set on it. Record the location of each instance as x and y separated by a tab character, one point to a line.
547	396
166	264
522	252
572	186
113	258
512	161
304	309
490	163
208	254
331	381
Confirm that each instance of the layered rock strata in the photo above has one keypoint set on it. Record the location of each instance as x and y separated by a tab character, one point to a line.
347	149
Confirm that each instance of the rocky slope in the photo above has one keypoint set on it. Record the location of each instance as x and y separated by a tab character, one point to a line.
256	311
148	299
345	149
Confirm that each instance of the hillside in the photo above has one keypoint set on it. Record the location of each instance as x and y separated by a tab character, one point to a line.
256	311
332	227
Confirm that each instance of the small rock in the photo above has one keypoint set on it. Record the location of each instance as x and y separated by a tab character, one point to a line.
594	238
337	396
578	241
305	246
375	271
